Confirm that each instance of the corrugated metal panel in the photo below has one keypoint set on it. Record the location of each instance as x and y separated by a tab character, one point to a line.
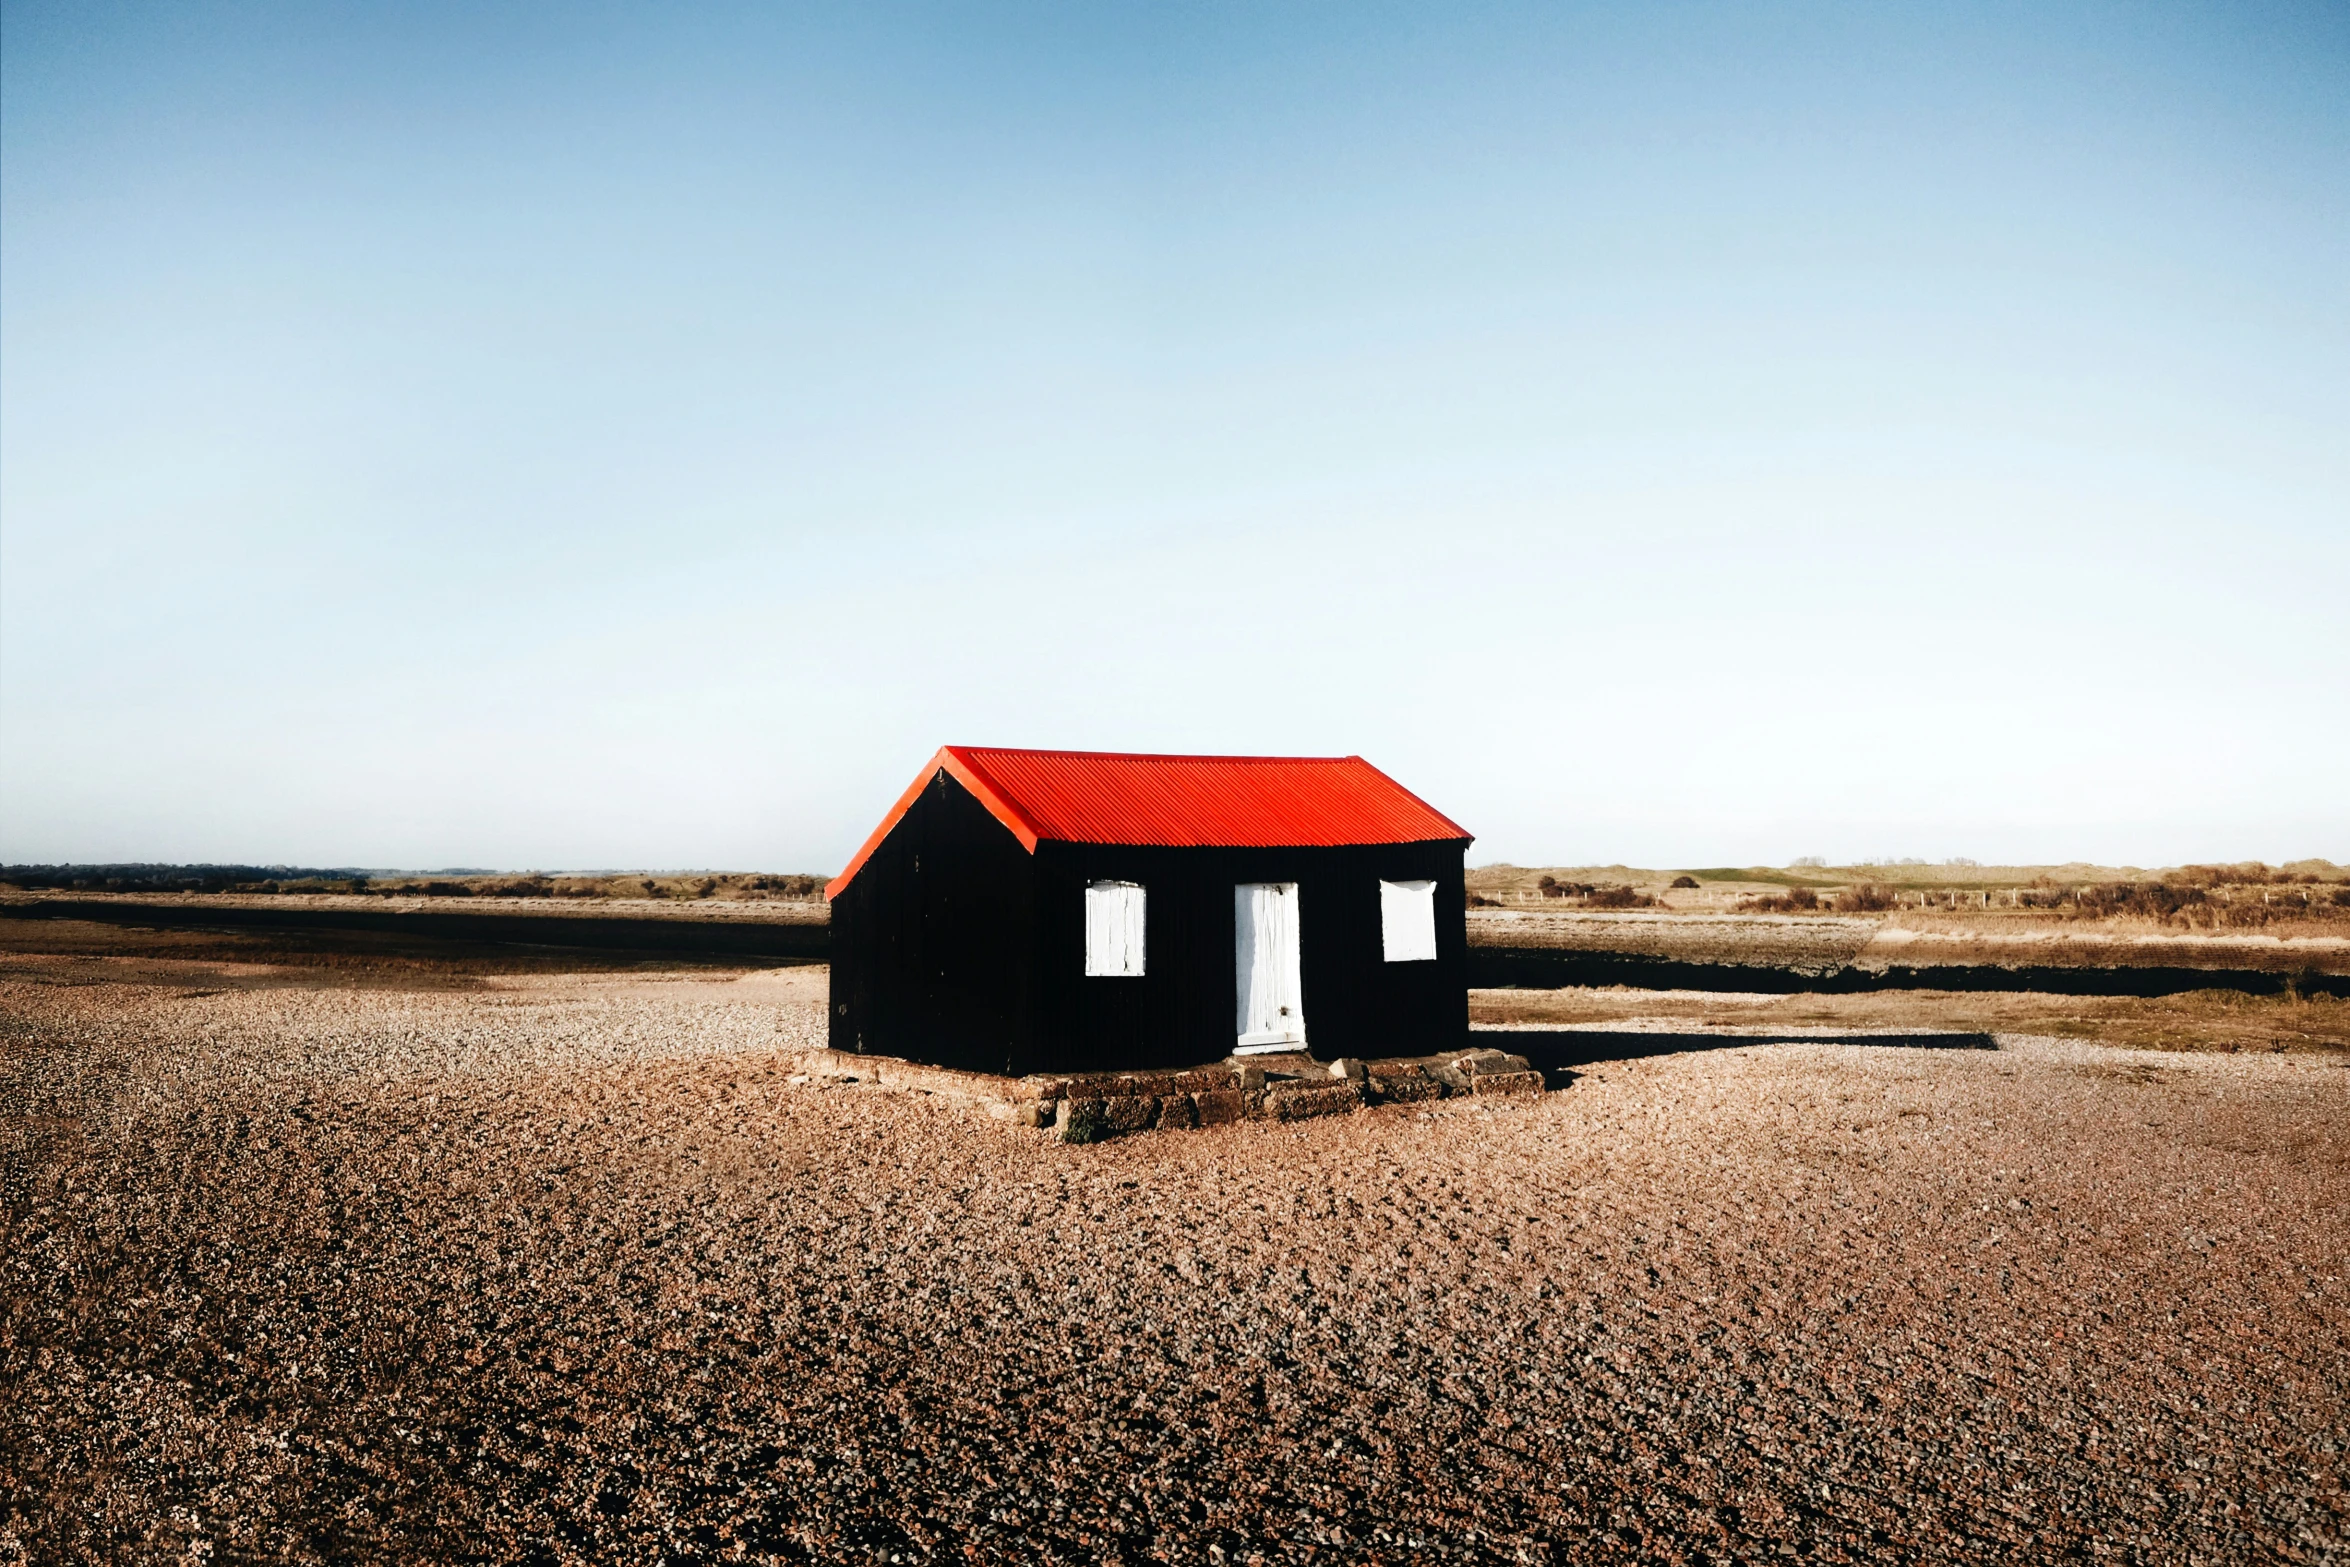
1203	801
1227	802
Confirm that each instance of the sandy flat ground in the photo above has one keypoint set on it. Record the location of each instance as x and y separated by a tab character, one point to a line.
571	1269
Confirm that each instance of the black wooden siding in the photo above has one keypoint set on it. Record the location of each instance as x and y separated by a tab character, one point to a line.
933	950
954	945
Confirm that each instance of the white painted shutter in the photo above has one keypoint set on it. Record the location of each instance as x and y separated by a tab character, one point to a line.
1407	920
1113	928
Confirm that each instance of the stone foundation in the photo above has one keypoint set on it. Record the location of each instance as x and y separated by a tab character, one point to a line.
1515	1085
1296	1101
1090	1107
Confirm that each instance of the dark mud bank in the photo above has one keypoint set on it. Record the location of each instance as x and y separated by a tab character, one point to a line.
1536	968
417	930
704	940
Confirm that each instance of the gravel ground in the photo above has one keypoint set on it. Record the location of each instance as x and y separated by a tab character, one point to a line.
572	1270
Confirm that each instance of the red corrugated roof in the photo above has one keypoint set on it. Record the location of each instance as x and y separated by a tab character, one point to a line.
1179	801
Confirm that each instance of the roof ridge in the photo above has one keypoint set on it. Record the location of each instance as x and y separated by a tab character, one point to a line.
1146	756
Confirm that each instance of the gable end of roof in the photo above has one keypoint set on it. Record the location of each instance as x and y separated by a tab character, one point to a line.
944	760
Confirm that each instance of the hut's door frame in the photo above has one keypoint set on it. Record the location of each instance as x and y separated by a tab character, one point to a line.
1271	1010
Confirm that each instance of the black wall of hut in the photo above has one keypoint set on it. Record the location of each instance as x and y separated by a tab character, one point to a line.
933	945
954	945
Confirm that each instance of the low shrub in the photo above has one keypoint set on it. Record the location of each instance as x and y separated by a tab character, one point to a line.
1795	900
1594	896
2176	900
2252	873
783	886
1684	883
1867	897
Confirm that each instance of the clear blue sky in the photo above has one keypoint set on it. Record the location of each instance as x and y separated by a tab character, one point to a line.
565	437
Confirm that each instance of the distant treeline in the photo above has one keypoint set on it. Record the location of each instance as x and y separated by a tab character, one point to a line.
176	878
301	878
1913	875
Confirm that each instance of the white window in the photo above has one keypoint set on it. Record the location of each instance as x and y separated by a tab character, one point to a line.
1407	920
1113	928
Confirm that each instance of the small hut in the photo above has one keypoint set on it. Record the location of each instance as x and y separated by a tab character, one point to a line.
1072	911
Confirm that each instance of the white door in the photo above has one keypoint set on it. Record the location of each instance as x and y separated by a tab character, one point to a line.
1272	1008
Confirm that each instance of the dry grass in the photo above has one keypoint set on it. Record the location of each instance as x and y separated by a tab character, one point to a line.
1818	938
2221	1021
1867	897
2246	896
1795	900
1594	895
